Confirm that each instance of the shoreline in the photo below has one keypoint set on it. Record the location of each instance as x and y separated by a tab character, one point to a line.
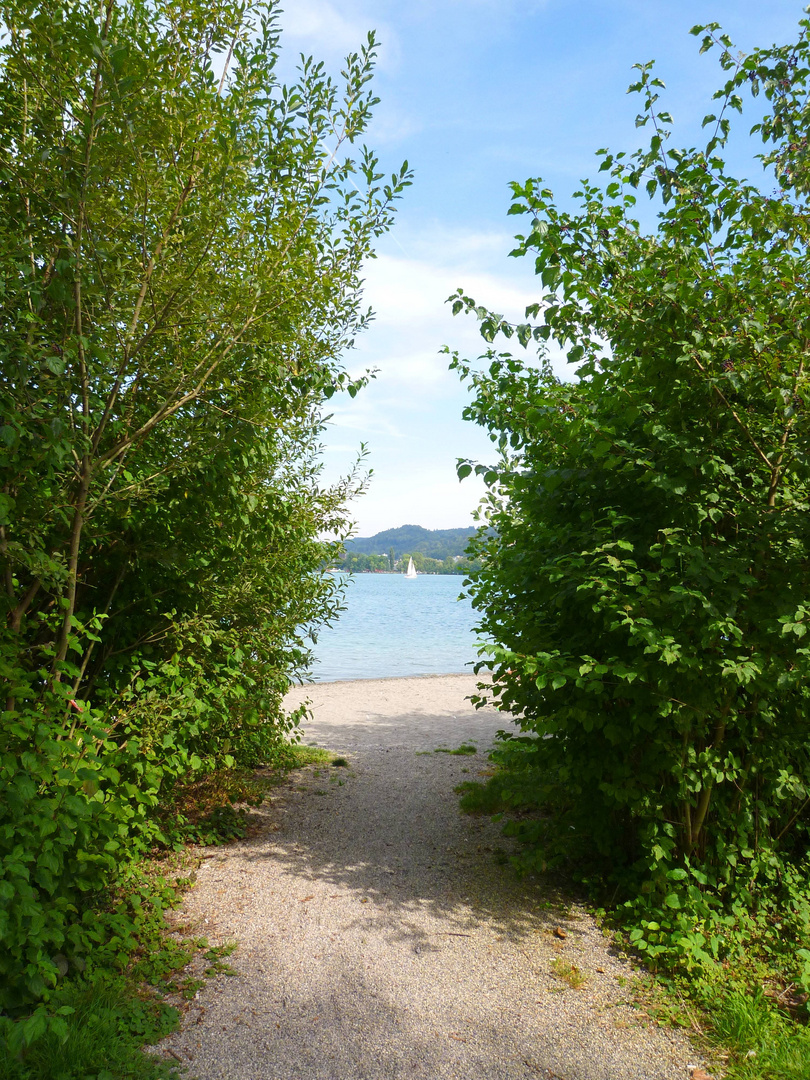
344	716
385	678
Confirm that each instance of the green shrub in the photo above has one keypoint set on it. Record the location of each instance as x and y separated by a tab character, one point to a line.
180	271
644	572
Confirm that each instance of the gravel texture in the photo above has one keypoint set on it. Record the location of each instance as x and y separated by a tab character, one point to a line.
380	933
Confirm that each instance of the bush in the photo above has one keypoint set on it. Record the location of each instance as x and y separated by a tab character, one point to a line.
180	270
644	553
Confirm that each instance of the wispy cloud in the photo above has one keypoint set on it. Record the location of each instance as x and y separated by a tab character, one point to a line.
413	319
393	125
327	29
411	414
367	415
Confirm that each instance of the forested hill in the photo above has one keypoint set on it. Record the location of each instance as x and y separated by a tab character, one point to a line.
435	543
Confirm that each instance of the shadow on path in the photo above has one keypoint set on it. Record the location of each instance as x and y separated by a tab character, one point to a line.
382	934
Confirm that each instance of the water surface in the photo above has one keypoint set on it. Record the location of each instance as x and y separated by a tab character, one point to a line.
393	626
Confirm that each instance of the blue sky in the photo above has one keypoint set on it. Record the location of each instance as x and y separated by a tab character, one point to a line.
476	94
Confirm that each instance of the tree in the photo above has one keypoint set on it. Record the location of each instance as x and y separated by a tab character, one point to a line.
359	562
181	248
646	573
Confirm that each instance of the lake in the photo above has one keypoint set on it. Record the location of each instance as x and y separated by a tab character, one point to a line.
393	626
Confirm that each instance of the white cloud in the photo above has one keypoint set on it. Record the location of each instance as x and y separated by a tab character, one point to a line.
391	125
321	24
410	415
413	320
434	500
325	29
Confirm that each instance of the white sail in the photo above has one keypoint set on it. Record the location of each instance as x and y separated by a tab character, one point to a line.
411	572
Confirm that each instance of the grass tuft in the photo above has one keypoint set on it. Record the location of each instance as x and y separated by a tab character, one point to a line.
568	972
485	798
298	756
763	1042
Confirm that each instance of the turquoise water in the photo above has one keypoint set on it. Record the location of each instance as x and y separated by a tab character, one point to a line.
395	626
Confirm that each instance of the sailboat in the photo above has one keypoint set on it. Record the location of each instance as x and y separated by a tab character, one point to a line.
411	571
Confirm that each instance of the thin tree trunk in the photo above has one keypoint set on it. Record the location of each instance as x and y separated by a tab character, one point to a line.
73	564
702	808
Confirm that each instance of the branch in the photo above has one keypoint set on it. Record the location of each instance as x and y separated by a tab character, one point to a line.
15	616
86	468
777	468
168	408
742	426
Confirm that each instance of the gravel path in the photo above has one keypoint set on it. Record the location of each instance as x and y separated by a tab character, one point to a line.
381	936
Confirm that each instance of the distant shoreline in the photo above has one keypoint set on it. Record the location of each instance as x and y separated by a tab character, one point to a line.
394	573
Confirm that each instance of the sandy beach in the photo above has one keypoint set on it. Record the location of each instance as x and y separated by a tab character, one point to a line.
383	935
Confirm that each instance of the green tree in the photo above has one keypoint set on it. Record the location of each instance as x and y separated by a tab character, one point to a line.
645	571
360	563
181	244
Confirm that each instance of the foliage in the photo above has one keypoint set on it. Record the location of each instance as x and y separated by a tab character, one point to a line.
434	551
96	1020
451	564
644	556
105	1024
356	562
181	245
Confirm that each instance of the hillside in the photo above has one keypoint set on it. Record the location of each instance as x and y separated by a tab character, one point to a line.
435	543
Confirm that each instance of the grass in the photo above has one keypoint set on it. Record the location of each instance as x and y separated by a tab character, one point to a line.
763	1043
461	751
106	1021
298	756
738	1025
569	973
487	798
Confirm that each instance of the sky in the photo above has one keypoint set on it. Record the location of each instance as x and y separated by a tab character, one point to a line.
476	94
